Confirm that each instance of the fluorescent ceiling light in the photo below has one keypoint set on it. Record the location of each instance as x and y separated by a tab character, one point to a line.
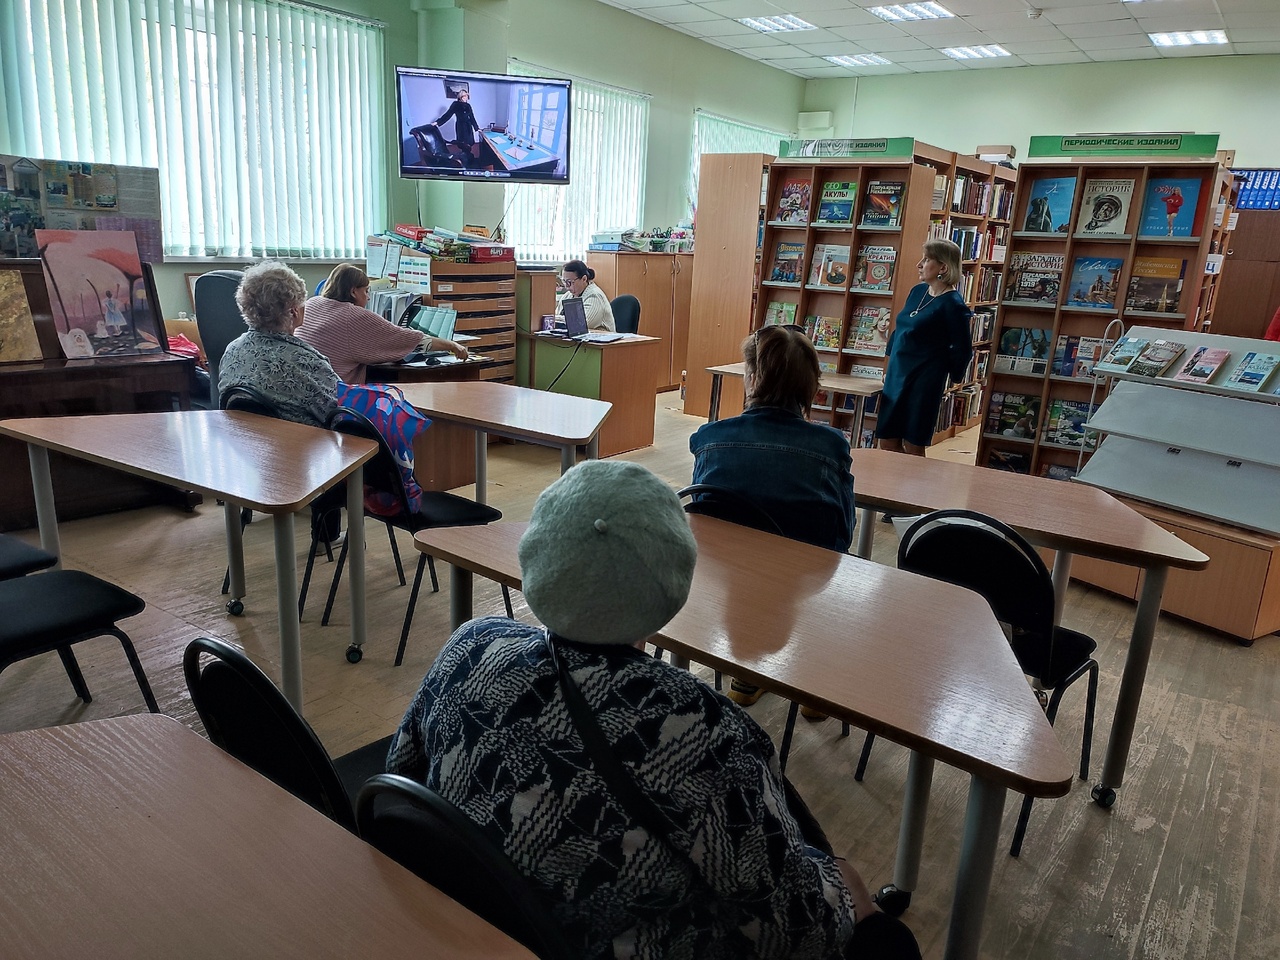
976	53
912	11
783	24
1187	38
861	60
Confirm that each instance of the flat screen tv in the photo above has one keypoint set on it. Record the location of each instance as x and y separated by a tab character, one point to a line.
482	126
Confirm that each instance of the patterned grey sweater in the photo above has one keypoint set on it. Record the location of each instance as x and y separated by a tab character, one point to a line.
292	375
489	731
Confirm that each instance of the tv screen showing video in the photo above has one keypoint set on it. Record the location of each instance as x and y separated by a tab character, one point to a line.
482	126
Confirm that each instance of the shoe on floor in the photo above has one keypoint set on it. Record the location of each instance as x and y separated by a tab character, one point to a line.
744	694
812	715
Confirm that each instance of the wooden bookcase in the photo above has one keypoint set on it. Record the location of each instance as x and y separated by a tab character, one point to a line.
484	294
1054	318
662	282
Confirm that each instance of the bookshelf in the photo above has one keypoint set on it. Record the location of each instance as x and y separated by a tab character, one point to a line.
1093	242
1202	460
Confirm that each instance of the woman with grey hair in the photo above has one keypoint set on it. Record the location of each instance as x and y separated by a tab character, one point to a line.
268	358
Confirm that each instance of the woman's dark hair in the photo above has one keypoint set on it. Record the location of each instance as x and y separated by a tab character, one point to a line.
345	278
783	366
579	269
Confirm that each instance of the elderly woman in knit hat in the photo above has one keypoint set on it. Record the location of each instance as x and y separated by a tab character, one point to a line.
645	807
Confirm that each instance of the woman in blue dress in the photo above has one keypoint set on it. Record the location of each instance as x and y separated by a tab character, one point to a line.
930	341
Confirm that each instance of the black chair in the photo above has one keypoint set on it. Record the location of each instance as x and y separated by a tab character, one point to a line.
18	558
217	317
428	835
433	149
325	509
626	313
978	552
247	716
439	509
59	608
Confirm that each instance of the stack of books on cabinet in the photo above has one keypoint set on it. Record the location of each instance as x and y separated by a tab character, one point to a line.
1093	243
840	246
1191	434
484	294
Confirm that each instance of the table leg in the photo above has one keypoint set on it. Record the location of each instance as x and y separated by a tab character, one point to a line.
973	878
859	411
460	588
235	550
46	511
1135	674
1061	578
713	409
679	660
568	457
287	610
915	810
355	557
482	466
593	447
866	531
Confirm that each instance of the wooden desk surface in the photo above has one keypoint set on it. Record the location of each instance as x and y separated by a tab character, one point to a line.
834	382
921	662
1049	513
468	369
136	837
268	465
517	412
628	340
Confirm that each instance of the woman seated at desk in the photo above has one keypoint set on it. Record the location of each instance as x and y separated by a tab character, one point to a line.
580	281
337	324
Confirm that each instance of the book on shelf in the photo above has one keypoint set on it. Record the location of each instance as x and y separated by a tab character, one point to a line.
822	400
874	267
1095	283
1049	209
1253	371
1013	415
868	438
1035	277
1201	366
793	202
788	262
1009	461
826	366
1058	471
866	371
1065	424
1075	356
1169	208
1104	207
1121	355
778	312
869	331
939	192
883	206
824	332
1023	350
1157	357
1156	284
980	325
829	266
835	204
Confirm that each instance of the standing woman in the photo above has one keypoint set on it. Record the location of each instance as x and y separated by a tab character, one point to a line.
580	280
930	341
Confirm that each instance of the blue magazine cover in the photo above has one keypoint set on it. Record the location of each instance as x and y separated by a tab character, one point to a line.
1049	209
1095	282
1169	209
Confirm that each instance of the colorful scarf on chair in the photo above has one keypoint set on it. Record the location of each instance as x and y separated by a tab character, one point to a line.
399	423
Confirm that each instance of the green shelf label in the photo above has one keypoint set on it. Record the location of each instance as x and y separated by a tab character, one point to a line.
1126	144
884	148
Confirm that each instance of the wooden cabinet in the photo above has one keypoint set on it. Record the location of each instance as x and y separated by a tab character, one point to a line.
484	294
663	283
1249	288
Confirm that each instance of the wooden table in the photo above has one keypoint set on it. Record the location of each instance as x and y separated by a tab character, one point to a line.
1068	518
136	837
859	387
272	466
517	413
918	661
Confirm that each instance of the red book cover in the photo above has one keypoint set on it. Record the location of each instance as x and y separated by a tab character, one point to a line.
411	230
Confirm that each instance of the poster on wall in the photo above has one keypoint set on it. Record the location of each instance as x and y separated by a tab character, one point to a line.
18	340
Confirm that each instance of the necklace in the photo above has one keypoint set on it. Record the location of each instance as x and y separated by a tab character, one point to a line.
927	299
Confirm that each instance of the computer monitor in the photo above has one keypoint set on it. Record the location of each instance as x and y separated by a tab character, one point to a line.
441	323
575	316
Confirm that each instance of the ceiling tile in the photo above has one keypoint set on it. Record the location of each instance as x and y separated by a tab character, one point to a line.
1150	53
796	63
1135	41
725	28
1066	14
1024	47
1212	50
917	56
1248	46
742	8
847	17
835	48
685	13
1045	59
870	33
1172	22
1103	28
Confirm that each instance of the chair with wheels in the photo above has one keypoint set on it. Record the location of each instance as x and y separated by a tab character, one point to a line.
438	509
59	608
626	313
979	552
428	835
246	715
218	317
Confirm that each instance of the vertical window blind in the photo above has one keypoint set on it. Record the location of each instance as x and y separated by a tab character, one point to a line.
608	140
263	117
716	134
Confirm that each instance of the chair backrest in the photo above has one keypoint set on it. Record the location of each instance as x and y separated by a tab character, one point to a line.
382	473
248	400
724	504
626	313
428	835
246	715
217	316
979	552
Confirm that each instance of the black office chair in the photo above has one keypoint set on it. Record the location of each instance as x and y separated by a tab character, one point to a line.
246	715
18	558
438	509
428	835
975	551
626	313
59	608
218	318
433	149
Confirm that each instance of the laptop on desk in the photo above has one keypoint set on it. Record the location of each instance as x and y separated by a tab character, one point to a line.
575	324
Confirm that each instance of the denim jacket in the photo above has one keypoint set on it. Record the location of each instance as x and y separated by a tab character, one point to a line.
797	471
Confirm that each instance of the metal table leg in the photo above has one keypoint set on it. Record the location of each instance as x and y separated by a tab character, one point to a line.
973	878
355	558
460	591
1061	578
568	457
713	409
593	447
482	466
46	511
287	610
866	531
896	897
235	552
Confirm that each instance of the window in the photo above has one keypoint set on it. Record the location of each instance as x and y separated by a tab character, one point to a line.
714	134
264	118
608	141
